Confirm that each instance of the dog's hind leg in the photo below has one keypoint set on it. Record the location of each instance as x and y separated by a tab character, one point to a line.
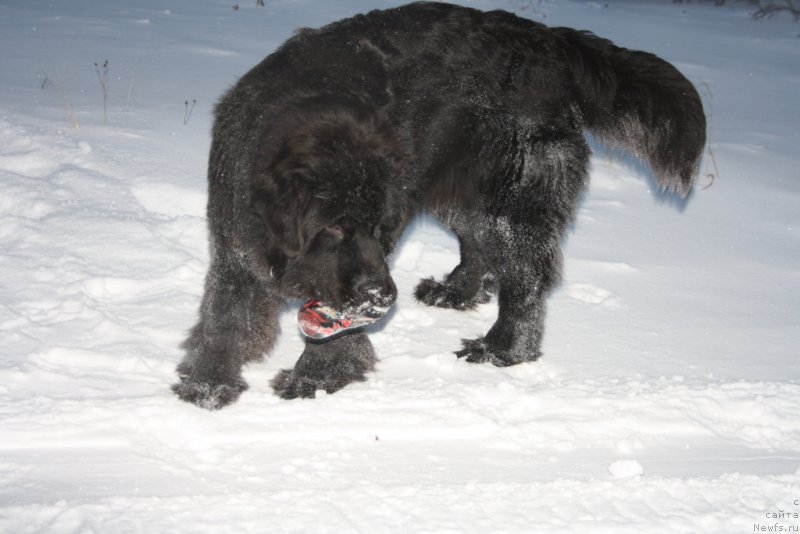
519	234
524	276
328	366
471	283
238	323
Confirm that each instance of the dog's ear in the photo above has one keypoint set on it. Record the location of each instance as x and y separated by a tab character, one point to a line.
388	231
397	211
278	216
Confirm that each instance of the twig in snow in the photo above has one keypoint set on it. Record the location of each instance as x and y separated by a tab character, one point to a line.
130	90
187	112
52	78
102	76
710	170
773	8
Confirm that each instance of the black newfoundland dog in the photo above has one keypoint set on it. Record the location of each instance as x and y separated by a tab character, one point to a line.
323	152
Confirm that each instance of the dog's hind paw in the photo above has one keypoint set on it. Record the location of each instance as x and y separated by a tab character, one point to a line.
478	351
475	351
449	295
207	395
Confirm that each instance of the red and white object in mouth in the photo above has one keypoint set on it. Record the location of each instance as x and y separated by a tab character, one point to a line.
319	321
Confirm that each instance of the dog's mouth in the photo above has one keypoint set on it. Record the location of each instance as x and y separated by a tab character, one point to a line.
319	321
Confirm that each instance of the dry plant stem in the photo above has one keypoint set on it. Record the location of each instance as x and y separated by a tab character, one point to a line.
773	8
102	76
131	83
710	169
187	112
52	78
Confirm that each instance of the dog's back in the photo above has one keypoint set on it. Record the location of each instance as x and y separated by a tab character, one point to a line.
437	57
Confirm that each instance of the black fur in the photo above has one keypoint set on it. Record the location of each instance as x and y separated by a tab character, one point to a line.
324	151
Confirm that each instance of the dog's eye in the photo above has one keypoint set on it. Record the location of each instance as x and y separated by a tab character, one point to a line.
336	232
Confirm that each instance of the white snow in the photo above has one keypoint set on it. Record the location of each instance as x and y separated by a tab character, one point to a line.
626	469
667	399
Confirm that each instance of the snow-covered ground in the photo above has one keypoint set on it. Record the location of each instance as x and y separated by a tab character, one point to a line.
668	399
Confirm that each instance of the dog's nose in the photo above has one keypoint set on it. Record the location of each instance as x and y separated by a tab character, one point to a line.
376	291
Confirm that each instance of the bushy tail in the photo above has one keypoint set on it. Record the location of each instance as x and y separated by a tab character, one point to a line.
641	102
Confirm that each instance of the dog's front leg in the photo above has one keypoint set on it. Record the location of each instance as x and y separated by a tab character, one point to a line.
328	365
238	323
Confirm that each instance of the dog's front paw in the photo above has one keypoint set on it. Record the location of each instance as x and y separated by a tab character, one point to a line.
327	366
208	395
289	384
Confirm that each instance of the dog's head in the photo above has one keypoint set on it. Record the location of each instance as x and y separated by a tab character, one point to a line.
343	265
330	202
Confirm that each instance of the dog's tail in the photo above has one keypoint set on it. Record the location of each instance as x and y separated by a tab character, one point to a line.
641	102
